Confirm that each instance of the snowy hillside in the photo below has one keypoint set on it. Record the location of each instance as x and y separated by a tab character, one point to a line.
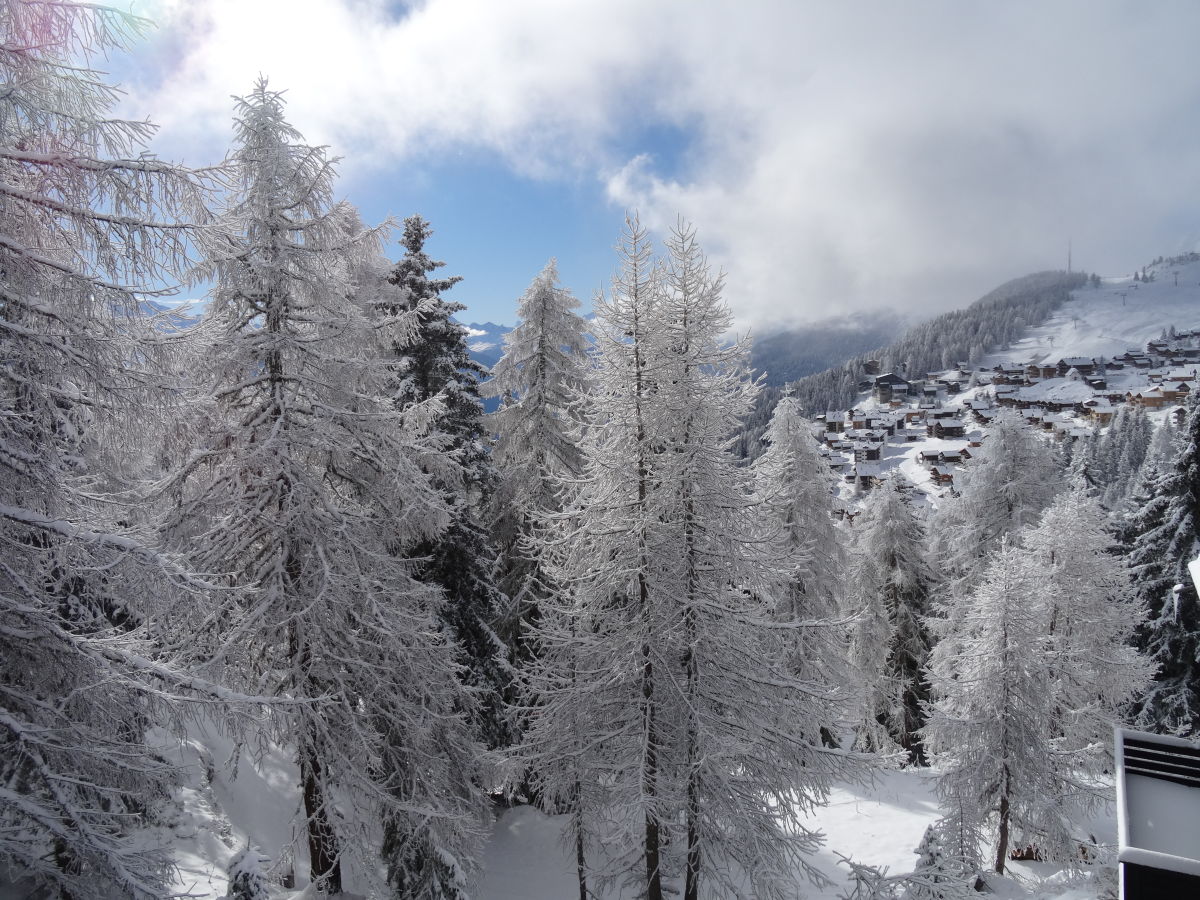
1096	327
1119	315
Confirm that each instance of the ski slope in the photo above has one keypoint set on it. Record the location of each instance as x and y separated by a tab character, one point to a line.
1120	315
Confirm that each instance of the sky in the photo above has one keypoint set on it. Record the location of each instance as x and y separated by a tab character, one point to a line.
834	158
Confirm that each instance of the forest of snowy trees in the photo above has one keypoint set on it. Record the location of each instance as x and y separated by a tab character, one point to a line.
293	519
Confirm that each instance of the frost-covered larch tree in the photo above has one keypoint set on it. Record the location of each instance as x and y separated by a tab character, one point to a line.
708	743
541	378
796	490
308	495
1091	619
88	226
462	560
1033	675
990	723
1011	480
1161	536
585	737
890	586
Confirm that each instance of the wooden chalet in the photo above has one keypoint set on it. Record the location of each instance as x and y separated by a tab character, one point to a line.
941	475
949	428
1100	410
1007	395
1151	398
1040	371
888	386
1174	392
865	475
1082	364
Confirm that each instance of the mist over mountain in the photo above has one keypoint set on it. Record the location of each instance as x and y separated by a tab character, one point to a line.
784	356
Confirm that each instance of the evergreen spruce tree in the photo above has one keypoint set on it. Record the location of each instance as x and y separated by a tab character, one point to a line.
1123	450
308	493
88	227
941	872
1160	537
542	378
435	362
246	878
890	589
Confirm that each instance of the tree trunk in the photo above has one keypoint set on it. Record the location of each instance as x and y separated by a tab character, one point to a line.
580	859
654	889
691	889
1002	849
325	867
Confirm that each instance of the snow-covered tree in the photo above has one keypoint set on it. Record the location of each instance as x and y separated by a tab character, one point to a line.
1034	672
1090	623
88	226
541	377
435	362
941	873
1121	452
309	494
989	725
1161	538
1011	480
708	743
796	490
247	881
889	592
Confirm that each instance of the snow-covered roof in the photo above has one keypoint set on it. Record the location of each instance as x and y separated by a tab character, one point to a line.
1057	390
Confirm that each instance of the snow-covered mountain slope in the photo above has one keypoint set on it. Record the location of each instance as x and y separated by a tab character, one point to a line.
1119	315
485	341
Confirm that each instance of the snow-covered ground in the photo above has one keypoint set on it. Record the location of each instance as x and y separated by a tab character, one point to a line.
879	825
525	858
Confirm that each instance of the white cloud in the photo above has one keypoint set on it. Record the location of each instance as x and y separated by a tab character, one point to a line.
848	155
